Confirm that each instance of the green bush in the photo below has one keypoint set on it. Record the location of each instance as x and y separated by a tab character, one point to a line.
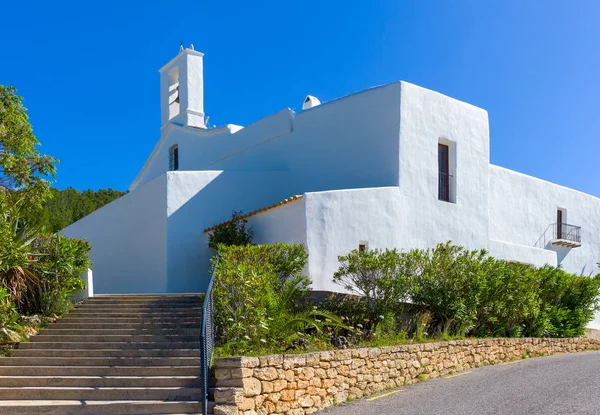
509	299
259	295
233	232
457	292
567	303
378	278
60	263
447	282
251	299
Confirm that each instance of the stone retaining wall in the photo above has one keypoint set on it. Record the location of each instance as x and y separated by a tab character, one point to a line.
298	384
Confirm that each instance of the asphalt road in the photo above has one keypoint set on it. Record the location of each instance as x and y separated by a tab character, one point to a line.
565	384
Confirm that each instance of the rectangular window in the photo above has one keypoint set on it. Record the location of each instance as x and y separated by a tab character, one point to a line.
444	177
174	158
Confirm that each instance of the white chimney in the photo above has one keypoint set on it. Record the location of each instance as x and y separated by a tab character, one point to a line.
310	102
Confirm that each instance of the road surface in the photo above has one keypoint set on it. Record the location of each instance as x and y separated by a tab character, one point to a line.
564	384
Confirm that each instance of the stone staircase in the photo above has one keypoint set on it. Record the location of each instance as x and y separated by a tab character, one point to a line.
112	354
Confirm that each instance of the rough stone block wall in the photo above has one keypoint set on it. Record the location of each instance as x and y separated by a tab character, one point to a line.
298	384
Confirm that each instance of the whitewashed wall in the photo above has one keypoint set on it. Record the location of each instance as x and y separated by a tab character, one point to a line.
128	238
428	117
523	208
286	223
197	200
351	142
337	220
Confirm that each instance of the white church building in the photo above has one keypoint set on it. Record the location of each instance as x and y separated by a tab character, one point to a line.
392	166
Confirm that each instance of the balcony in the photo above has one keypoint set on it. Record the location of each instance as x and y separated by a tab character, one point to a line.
566	235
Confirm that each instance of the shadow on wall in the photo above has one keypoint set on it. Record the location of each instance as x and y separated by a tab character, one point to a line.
188	255
543	241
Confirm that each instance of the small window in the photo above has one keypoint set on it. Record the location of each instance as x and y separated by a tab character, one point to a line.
174	158
362	246
446	170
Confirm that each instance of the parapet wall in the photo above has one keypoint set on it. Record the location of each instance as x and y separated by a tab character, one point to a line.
298	384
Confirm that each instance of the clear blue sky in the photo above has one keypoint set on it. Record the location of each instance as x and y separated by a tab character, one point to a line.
88	71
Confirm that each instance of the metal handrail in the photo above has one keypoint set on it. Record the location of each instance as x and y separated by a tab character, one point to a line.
207	339
567	232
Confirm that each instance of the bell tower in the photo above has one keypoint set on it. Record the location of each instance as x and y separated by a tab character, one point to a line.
182	90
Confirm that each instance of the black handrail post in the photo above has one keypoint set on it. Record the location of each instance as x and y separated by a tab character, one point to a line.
207	339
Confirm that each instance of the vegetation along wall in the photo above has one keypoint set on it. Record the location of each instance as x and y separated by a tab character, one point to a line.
298	384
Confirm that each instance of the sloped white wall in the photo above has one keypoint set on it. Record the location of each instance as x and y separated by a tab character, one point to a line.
197	200
351	142
128	238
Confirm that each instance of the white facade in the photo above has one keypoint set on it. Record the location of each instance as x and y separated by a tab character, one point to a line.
366	166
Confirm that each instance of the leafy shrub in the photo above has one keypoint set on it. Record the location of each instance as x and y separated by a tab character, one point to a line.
378	277
509	298
248	293
448	283
233	232
567	303
457	292
60	262
258	294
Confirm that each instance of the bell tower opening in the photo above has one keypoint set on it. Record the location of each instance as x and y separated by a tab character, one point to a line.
173	92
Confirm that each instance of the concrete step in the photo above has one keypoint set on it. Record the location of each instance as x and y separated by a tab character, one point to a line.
144	297
159	307
120	325
111	338
99	370
51	331
141	305
121	313
189	302
100	361
46	352
100	393
136	320
41	344
82	407
100	381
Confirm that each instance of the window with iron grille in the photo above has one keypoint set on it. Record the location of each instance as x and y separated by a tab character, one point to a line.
174	158
444	176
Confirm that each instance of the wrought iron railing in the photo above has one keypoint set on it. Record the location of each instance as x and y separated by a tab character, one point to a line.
207	339
567	232
445	187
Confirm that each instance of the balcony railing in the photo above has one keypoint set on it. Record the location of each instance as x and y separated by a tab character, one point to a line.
566	235
445	183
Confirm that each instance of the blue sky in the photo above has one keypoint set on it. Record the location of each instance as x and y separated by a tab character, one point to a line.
88	71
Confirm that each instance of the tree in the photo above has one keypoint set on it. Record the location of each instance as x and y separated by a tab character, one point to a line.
233	232
69	205
25	174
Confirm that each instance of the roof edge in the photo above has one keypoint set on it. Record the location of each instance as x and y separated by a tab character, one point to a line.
257	211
